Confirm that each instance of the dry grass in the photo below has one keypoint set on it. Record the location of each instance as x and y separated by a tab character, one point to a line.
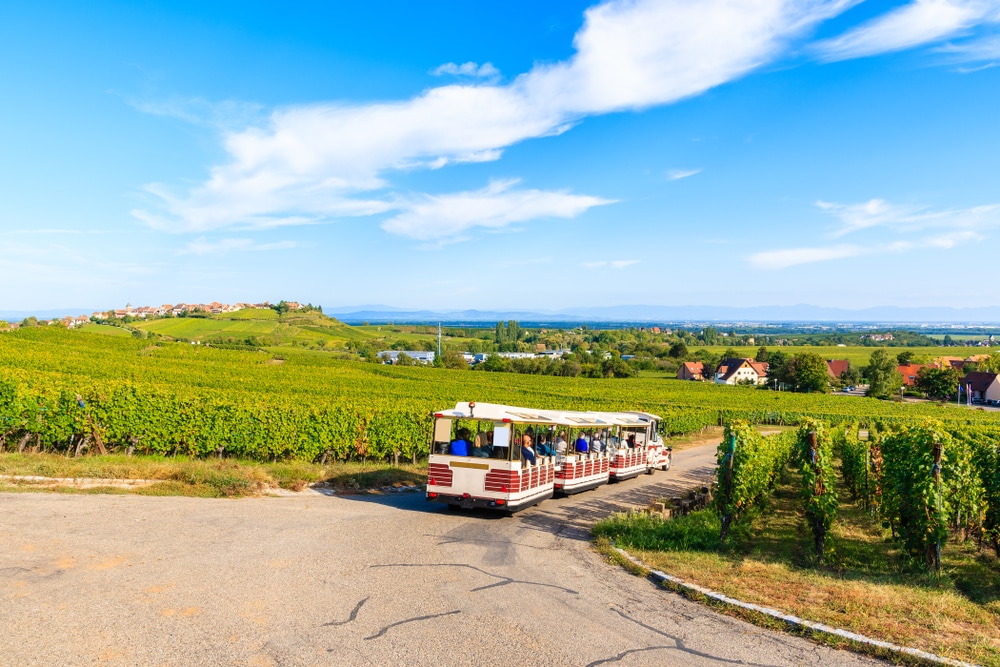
203	477
867	585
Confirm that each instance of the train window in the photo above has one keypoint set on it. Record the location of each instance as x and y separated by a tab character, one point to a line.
501	441
442	435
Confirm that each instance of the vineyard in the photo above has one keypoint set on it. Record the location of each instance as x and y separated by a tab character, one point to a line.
67	391
893	533
925	482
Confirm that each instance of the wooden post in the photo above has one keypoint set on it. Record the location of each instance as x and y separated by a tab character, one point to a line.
934	550
727	518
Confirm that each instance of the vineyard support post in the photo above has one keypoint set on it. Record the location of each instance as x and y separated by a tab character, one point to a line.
818	526
868	465
727	493
934	549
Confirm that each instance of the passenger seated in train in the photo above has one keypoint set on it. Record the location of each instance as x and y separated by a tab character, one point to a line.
480	446
581	444
597	444
460	445
561	444
527	450
631	441
544	447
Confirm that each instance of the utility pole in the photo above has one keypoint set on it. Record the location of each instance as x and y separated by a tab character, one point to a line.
439	340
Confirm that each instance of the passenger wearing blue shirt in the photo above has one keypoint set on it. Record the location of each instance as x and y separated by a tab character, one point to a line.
460	445
581	444
527	452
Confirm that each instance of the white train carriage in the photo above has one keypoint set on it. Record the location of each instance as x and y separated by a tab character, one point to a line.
638	447
658	455
582	459
477	459
508	458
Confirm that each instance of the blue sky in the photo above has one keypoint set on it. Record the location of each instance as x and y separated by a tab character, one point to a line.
500	155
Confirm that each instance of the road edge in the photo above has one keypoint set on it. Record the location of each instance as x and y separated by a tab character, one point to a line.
853	639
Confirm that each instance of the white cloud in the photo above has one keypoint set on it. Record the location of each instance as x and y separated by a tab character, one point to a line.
879	213
782	259
431	217
223	115
316	162
972	51
947	241
203	246
914	24
678	174
484	71
953	227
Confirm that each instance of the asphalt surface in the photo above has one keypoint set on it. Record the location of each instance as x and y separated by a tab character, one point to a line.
366	580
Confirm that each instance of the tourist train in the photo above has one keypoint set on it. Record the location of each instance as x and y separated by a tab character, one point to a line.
508	458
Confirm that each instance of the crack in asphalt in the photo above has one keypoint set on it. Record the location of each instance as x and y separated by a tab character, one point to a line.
408	620
678	646
503	580
353	616
12	571
624	654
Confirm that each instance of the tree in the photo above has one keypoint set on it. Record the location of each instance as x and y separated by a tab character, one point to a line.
990	364
808	372
709	335
616	368
495	363
851	376
730	353
904	357
762	354
31	321
938	383
678	350
777	363
403	359
453	359
883	378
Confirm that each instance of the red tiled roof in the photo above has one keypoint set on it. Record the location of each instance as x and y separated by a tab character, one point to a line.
909	373
837	367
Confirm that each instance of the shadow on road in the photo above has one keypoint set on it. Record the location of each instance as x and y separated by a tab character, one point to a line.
573	516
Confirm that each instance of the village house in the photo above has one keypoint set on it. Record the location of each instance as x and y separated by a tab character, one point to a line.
691	370
741	371
836	368
983	386
909	373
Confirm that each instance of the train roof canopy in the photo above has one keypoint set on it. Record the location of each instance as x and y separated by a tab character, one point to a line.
507	413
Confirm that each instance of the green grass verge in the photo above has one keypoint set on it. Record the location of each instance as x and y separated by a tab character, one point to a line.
867	584
214	478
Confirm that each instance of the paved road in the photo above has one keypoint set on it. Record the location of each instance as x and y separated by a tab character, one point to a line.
318	580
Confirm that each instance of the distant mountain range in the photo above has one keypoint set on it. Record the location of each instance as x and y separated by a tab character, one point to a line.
639	313
636	313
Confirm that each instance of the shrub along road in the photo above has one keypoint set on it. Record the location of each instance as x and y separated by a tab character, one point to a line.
320	580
